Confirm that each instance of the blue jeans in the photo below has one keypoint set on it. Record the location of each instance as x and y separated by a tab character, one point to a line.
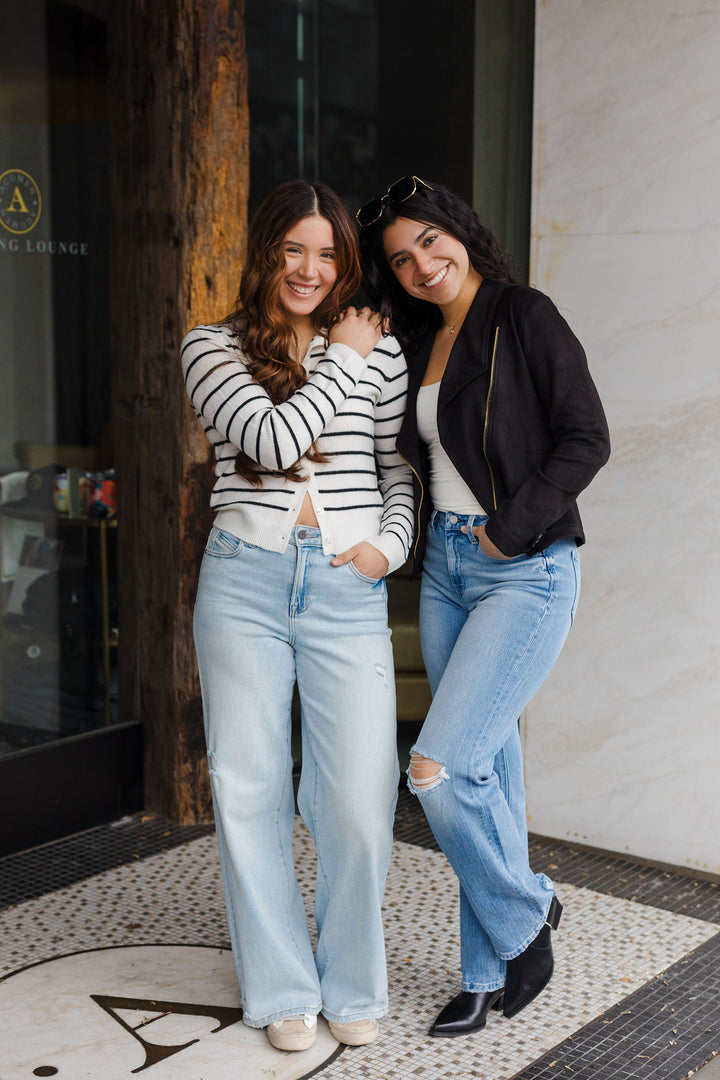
490	630
263	620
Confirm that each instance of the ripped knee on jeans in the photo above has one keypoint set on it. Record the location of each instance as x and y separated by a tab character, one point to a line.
425	773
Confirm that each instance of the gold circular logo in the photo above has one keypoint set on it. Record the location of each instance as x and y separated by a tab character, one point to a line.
20	202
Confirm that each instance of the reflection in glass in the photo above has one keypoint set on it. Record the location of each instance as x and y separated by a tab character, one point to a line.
57	530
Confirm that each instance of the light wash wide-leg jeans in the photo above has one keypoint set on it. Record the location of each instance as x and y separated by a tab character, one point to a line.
263	620
491	630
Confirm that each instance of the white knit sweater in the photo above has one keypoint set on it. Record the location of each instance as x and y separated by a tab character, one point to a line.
351	407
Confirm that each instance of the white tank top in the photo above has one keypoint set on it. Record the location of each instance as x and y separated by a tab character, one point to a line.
448	490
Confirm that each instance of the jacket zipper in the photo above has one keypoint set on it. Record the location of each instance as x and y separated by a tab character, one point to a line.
487	410
422	498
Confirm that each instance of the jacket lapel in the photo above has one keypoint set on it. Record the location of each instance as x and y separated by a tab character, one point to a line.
469	356
469	359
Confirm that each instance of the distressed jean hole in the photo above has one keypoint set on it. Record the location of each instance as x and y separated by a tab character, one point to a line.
425	773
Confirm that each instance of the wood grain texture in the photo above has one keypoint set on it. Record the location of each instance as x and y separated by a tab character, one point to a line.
179	173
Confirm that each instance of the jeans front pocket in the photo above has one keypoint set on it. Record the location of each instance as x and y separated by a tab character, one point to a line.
501	562
363	577
575	556
223	545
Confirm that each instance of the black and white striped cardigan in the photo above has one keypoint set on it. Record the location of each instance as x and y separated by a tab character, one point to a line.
351	407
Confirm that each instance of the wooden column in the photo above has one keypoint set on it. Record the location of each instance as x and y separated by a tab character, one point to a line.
179	167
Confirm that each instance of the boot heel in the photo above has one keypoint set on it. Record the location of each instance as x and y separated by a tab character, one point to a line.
530	972
553	916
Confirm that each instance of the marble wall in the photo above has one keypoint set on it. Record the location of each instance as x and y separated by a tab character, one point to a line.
623	741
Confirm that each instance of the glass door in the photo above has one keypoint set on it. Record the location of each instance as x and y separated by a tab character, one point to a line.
65	761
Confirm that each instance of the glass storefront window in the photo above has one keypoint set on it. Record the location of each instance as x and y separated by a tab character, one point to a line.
358	93
57	484
347	91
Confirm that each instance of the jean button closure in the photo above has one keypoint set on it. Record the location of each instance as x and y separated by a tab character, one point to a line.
301	534
453	519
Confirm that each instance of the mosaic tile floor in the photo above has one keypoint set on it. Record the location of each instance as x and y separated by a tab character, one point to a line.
147	983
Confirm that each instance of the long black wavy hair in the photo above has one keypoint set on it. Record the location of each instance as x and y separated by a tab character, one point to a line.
410	318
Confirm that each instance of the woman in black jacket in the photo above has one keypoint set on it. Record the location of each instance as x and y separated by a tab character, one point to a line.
503	429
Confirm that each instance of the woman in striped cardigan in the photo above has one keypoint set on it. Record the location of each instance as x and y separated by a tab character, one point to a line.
302	398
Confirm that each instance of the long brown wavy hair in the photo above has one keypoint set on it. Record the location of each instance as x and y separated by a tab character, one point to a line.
261	323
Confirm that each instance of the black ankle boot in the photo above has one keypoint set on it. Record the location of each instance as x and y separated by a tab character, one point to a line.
467	1012
529	973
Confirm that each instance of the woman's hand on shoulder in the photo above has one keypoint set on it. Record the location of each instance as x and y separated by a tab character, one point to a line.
359	329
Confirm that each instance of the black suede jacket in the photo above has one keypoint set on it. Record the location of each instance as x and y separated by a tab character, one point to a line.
519	417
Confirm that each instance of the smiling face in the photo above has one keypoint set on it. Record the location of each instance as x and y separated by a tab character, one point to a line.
308	249
429	263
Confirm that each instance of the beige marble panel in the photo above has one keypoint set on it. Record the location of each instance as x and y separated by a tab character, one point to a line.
628	125
647	309
622	742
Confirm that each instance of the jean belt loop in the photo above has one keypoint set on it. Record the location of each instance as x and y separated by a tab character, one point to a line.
472	518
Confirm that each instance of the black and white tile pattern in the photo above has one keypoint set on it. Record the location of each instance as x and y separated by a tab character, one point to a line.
635	993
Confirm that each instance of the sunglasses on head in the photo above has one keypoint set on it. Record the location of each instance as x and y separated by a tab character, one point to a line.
399	192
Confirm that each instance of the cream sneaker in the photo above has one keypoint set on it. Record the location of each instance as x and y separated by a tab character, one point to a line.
355	1032
295	1033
